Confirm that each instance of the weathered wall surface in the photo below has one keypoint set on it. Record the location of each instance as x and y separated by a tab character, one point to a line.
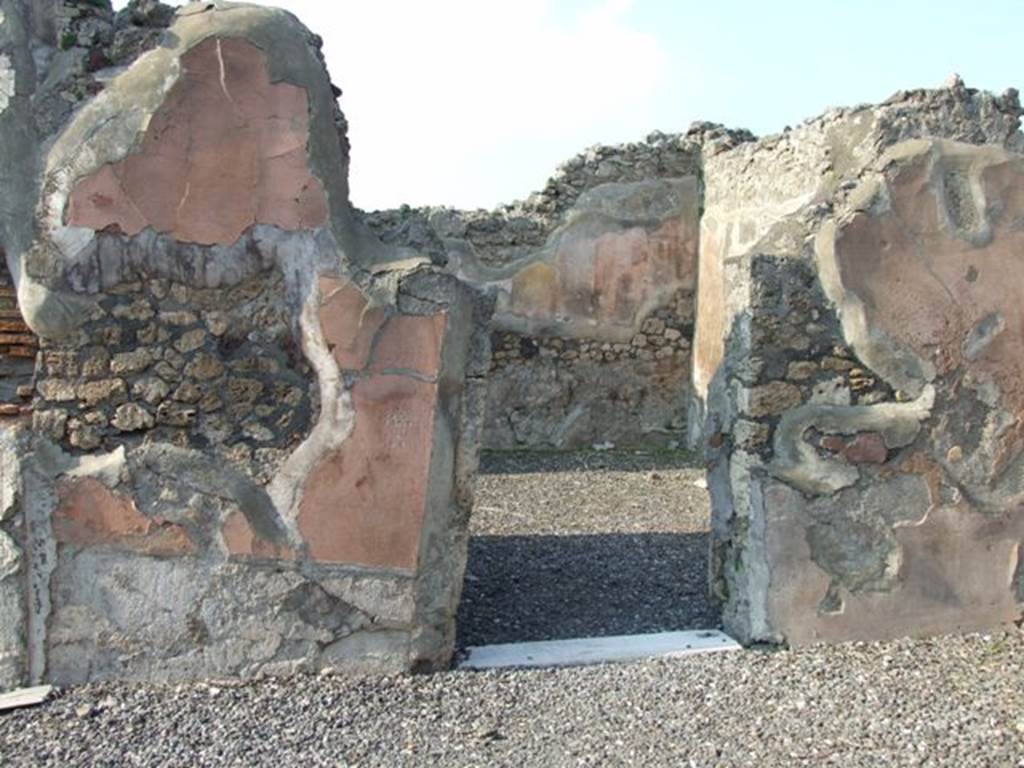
859	345
255	426
770	189
594	277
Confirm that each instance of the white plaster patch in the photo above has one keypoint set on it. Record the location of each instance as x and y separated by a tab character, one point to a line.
107	467
6	79
10	556
337	415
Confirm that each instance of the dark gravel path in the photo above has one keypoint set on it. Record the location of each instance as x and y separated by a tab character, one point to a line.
578	545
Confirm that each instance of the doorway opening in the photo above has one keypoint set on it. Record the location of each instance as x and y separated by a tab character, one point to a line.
587	544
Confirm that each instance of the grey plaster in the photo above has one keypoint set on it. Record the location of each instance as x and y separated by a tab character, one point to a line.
798	463
13	665
40	500
444	539
237	619
18	139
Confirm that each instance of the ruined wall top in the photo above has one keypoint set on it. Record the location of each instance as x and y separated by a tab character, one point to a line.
97	124
78	47
840	141
768	196
836	146
509	232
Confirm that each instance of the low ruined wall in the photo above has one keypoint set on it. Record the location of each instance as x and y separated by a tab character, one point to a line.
567	392
859	344
255	427
594	277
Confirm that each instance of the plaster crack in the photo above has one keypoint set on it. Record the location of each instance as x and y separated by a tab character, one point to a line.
223	76
184	199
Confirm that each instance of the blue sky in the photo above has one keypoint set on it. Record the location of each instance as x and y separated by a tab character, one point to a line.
475	102
762	65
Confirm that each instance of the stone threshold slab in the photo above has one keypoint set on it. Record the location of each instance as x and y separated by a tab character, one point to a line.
598	650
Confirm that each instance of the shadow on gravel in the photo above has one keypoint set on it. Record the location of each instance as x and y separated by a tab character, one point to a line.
522	588
521	462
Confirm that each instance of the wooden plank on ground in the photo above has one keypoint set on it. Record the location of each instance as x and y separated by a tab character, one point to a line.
25	697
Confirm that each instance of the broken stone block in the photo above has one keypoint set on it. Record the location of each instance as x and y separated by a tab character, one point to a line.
773	398
190	341
51	423
92	393
151	390
204	367
131	417
131	362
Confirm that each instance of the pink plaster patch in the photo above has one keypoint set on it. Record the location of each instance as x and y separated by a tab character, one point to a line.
365	502
226	150
608	279
410	342
349	322
89	514
360	334
864	448
242	541
927	287
867	448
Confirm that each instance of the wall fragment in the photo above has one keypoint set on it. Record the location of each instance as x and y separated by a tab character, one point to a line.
860	374
254	426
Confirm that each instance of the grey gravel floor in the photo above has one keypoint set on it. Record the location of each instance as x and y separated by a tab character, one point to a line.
944	702
586	544
951	701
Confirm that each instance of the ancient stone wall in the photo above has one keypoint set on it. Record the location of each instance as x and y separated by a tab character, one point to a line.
594	276
857	347
254	426
241	425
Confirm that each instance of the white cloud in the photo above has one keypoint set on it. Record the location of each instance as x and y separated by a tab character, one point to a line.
464	101
443	96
